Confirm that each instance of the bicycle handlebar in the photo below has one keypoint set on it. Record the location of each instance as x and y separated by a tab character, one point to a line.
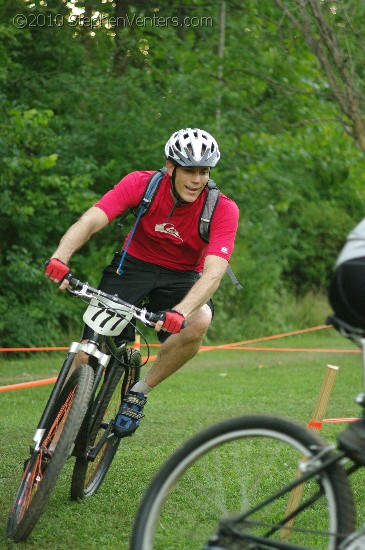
84	290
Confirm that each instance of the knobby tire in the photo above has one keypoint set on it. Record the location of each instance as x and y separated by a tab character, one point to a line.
88	475
232	467
44	467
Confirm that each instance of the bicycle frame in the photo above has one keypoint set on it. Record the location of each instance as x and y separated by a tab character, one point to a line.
91	348
116	354
286	487
77	420
309	470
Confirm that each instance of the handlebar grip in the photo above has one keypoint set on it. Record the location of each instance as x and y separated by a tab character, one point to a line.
155	317
72	280
161	316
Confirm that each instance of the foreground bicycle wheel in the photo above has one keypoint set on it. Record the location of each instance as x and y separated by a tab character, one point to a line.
98	451
44	466
231	468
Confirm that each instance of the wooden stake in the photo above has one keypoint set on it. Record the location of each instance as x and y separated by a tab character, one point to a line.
137	342
323	398
314	424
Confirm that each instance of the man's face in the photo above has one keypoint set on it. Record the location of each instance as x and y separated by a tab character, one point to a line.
189	182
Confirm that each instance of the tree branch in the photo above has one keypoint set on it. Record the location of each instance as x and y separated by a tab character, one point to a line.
331	58
278	84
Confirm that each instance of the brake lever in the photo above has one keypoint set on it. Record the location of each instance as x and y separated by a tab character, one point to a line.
71	292
141	315
82	292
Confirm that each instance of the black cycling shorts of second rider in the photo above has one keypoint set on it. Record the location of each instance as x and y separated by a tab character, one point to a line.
347	292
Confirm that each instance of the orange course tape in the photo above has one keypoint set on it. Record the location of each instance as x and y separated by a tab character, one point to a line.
5	350
306	350
204	348
340	419
244	342
231	346
32	384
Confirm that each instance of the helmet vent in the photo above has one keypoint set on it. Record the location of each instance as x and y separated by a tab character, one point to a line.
192	147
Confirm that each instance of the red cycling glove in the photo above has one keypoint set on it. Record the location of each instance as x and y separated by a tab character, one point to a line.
56	269
174	321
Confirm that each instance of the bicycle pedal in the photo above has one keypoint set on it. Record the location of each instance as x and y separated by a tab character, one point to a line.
213	544
46	459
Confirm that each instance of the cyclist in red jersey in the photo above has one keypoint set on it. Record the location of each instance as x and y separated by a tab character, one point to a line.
167	261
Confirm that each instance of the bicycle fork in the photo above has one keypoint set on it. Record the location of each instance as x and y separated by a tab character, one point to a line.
132	373
92	350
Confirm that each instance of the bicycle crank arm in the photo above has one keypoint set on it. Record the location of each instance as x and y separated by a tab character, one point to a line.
92	454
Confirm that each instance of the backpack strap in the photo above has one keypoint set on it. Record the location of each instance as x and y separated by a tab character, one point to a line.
151	189
209	206
149	193
141	209
233	278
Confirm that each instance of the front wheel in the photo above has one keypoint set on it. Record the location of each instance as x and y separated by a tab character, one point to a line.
43	468
98	445
228	471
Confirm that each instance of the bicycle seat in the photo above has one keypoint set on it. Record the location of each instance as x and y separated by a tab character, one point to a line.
345	329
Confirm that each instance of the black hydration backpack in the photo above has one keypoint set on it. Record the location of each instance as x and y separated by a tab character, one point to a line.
206	214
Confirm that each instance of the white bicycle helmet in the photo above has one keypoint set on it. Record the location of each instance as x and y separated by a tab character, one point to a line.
192	147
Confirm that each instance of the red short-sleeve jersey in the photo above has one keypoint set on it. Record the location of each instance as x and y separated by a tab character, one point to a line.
170	237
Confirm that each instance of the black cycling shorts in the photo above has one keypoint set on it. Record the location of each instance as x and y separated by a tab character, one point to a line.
145	285
347	292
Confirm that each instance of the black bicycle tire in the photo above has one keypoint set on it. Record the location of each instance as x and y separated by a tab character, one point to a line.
82	485
81	382
163	481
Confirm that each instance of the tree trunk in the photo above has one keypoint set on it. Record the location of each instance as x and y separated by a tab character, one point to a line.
323	41
121	35
222	31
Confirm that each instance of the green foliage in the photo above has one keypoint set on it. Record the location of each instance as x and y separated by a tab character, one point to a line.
37	204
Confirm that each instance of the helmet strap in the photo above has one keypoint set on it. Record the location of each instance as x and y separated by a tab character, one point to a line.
176	195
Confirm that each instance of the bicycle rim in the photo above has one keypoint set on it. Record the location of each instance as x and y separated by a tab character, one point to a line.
43	468
232	467
88	474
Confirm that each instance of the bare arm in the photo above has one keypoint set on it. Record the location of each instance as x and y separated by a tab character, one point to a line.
92	221
214	269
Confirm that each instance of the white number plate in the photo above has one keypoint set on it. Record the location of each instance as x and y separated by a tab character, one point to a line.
106	317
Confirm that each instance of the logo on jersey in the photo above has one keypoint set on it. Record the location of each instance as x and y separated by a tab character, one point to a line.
167	228
224	250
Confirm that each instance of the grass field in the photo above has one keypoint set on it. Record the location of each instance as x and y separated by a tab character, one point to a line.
213	386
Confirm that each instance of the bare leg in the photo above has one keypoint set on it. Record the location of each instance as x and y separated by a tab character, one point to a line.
174	353
180	348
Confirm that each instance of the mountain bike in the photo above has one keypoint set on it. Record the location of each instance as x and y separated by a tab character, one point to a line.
78	417
253	482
